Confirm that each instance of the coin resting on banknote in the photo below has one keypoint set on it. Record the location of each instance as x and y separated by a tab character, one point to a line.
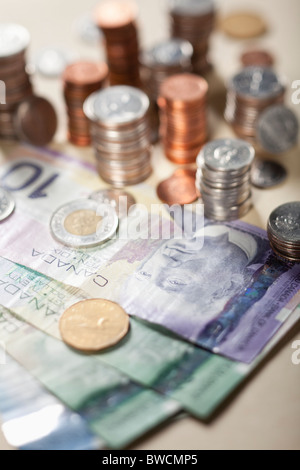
94	325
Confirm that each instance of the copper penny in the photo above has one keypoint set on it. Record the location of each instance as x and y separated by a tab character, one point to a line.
36	121
184	88
258	58
85	73
179	189
94	325
115	14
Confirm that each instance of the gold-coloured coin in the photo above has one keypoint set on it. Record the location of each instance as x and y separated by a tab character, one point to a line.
94	325
243	25
82	223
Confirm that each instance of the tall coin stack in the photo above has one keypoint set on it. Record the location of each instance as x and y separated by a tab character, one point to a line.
183	119
284	231
120	134
224	179
80	80
194	21
14	78
250	92
117	21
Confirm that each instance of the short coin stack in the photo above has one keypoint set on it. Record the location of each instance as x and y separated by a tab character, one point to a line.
250	92
14	78
120	134
80	80
284	231
167	58
194	20
224	179
182	104
117	21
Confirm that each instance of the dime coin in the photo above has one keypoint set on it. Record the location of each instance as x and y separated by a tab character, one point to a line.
14	39
277	129
267	174
7	204
36	121
84	223
243	25
94	325
121	200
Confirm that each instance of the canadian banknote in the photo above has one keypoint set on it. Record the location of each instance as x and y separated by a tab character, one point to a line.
199	380
225	295
33	419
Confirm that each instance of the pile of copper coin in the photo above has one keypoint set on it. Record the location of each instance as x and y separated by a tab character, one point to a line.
170	57
183	117
250	92
14	78
284	231
224	179
80	80
194	21
120	134
117	21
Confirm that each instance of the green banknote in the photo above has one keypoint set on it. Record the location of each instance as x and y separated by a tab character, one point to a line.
149	355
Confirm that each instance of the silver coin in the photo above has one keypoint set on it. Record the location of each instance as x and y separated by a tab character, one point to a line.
267	174
284	223
277	129
84	223
117	105
169	53
257	82
227	155
192	7
120	200
7	204
51	62
14	39
87	29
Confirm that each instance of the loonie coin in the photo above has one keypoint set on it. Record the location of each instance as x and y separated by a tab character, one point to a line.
267	174
277	129
7	204
243	25
84	223
121	200
94	325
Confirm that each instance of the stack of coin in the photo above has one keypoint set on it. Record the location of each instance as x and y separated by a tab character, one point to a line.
284	231
194	20
170	57
183	128
250	92
117	21
224	179
15	81
120	134
80	80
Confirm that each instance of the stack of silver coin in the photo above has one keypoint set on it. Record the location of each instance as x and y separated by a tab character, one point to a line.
120	134
284	231
224	178
193	20
15	81
250	92
167	58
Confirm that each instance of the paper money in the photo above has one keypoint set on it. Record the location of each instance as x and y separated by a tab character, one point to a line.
197	379
115	408
33	419
224	296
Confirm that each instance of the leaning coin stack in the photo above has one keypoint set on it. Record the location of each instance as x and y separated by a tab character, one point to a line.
194	20
117	21
183	118
284	231
224	179
16	82
80	80
120	134
250	92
